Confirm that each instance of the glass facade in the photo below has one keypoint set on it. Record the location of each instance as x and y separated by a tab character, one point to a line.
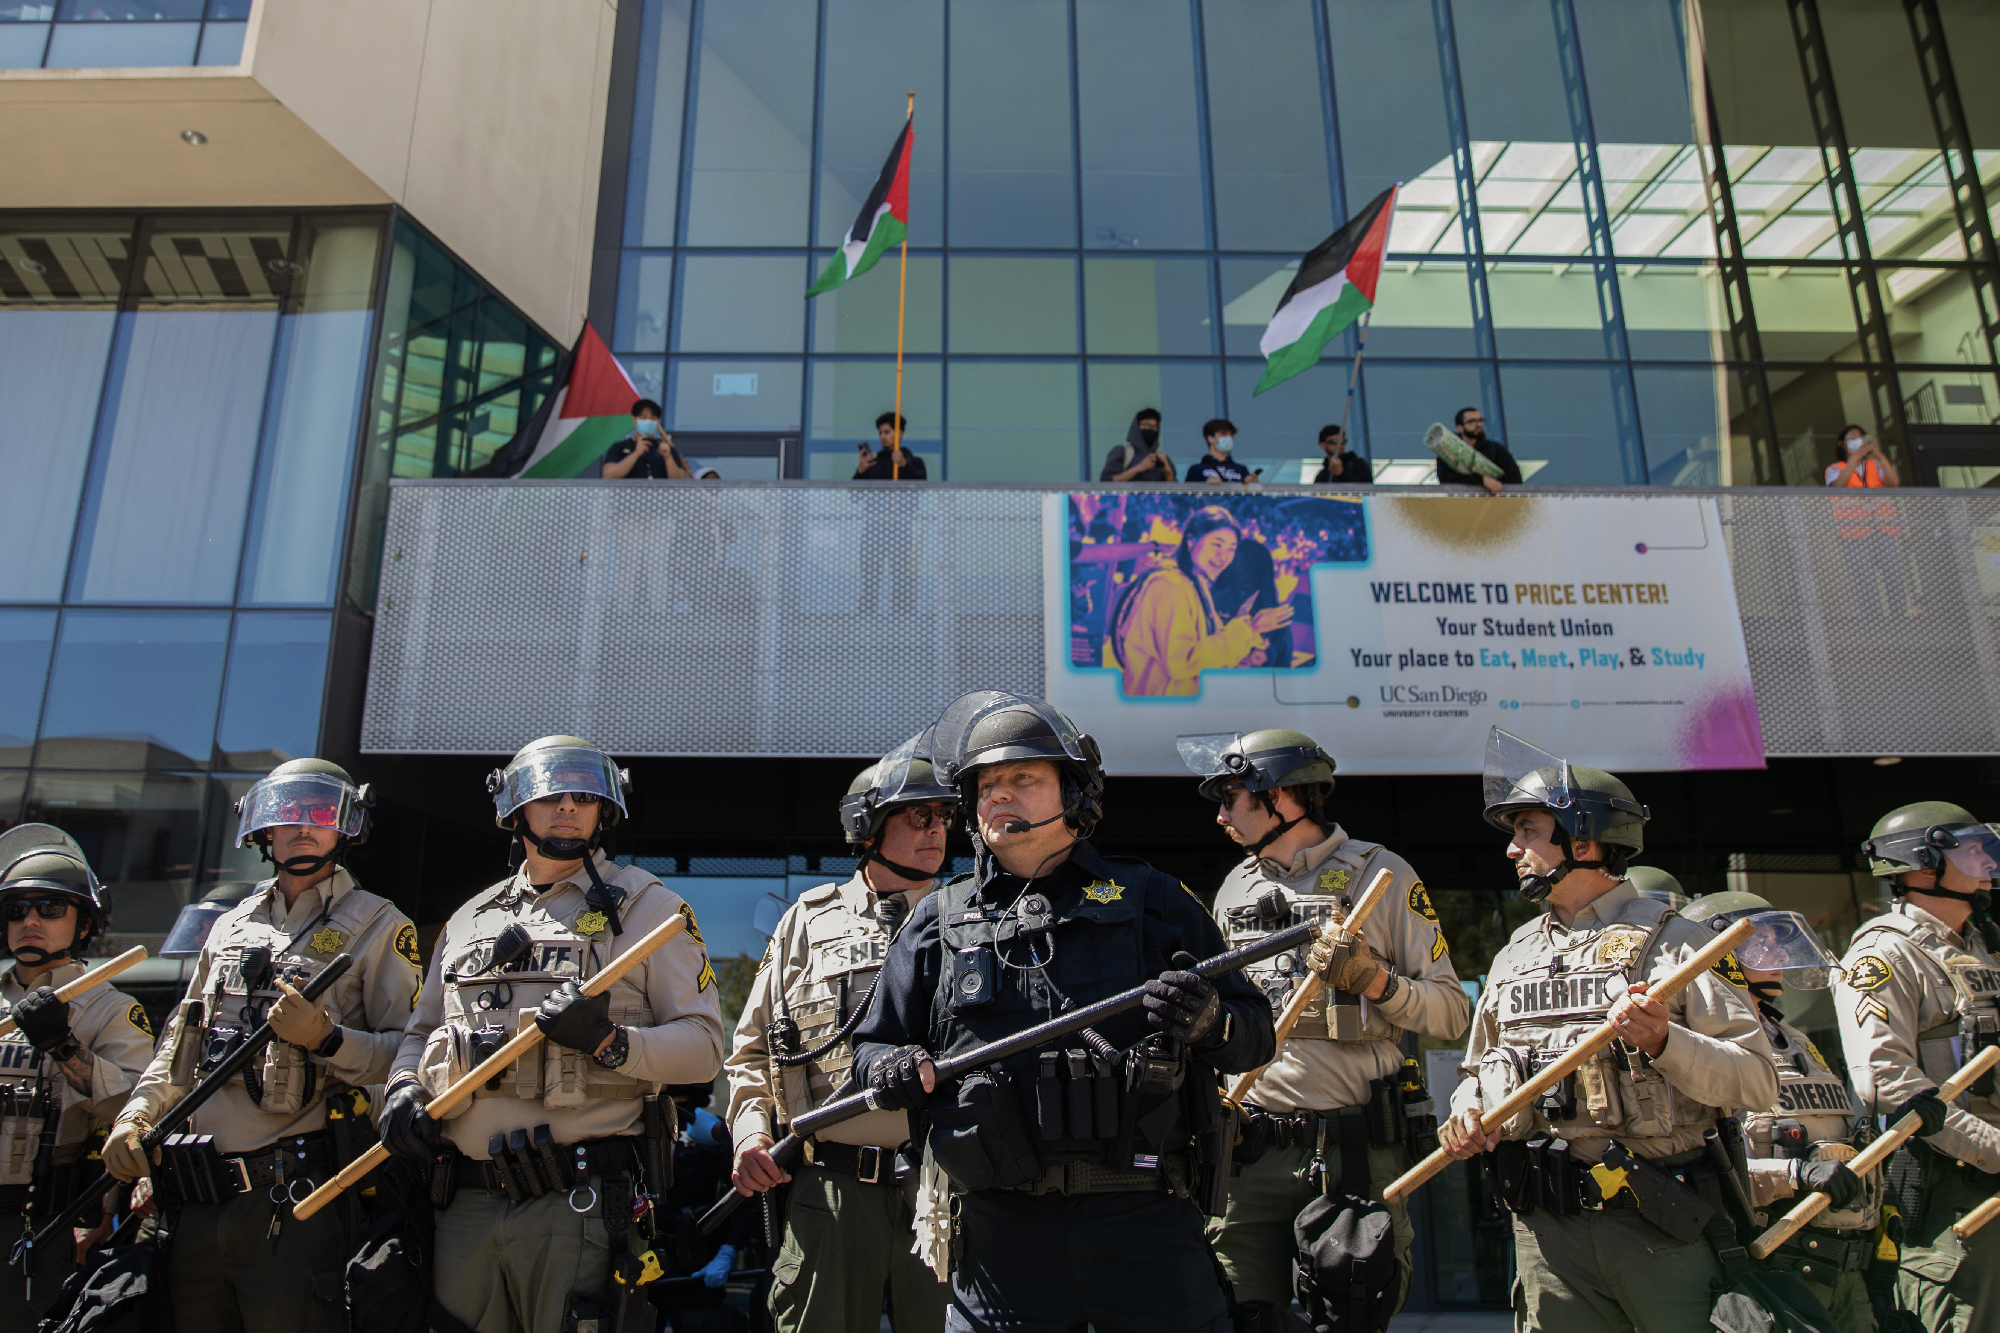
1636	282
184	394
110	34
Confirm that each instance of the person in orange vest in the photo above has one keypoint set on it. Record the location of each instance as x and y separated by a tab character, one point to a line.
1868	545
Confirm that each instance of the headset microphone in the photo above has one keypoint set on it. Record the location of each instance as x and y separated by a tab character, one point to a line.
1023	826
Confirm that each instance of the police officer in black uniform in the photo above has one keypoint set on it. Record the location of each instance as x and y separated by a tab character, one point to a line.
1081	1171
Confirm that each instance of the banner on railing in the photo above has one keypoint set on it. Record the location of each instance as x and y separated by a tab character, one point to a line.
1396	630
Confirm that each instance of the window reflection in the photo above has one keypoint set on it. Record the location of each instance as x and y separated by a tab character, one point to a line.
1013	421
645	304
1184	393
134	689
742	303
652	191
1563	427
861	316
847	396
752	148
270	701
1683	413
1147	307
736	395
51	375
26	638
1267	127
860	111
141	834
1013	181
1141	144
1387	56
1404	398
1013	305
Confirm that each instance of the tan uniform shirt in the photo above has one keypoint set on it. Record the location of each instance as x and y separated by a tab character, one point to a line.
1549	987
371	1003
831	941
1312	1071
112	1027
1913	994
1815	1094
668	1005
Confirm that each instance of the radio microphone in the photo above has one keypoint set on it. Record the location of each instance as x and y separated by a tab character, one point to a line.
1018	825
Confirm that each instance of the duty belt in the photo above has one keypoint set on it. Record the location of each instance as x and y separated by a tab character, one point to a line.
1300	1129
572	1165
192	1171
1175	1170
868	1164
1821	1254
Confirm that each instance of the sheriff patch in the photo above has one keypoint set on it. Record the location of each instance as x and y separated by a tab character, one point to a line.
1334	880
1420	903
590	923
406	947
136	1016
1870	972
1726	968
693	930
1815	1096
328	941
1103	891
1620	949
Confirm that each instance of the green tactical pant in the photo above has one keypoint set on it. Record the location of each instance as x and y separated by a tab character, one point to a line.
847	1245
1253	1237
1609	1272
227	1273
1949	1285
1846	1299
510	1268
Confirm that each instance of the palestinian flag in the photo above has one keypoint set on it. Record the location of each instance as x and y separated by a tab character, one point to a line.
884	221
589	411
1336	282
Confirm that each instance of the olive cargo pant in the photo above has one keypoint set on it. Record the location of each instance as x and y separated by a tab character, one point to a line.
1253	1237
1609	1272
846	1244
510	1268
1949	1285
228	1275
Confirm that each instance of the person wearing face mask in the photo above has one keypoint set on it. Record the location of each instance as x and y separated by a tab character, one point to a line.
1389	976
1168	628
68	1066
1860	462
1804	1141
1139	458
246	1263
1866	525
1216	467
648	452
1593	1252
848	1214
1067	1210
1919	996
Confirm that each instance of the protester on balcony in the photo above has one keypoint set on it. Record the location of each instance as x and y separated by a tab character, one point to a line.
1859	461
894	463
1343	465
1139	458
1471	425
648	451
1216	467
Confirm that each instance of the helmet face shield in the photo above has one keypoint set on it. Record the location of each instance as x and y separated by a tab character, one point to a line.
1785	943
1519	776
553	771
1974	849
904	776
1216	758
995	727
316	799
191	927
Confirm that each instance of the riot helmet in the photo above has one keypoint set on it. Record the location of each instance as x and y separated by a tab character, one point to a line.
1588	805
1653	882
988	727
1926	836
39	862
304	791
903	777
554	766
1785	941
1262	761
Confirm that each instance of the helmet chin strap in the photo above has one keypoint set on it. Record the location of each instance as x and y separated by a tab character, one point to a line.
36	957
1768	994
873	852
298	866
1534	888
1253	849
601	895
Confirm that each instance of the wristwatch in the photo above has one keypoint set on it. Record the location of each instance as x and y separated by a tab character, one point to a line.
612	1056
1389	987
326	1048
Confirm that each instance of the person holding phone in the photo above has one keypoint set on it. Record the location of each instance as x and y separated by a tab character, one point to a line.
894	462
1860	462
648	451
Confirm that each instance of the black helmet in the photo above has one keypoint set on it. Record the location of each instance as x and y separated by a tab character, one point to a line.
1926	835
904	776
990	727
41	860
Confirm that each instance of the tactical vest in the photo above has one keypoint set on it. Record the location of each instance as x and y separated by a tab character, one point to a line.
1332	895
1547	998
29	1100
1972	978
844	952
282	1082
485	1007
1819	1100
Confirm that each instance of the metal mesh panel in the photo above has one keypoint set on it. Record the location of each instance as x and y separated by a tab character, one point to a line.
697	620
836	620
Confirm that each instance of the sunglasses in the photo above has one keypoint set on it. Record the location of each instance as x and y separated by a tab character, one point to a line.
579	797
299	812
48	909
923	816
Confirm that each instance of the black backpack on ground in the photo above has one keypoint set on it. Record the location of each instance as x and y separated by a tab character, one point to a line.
1345	1275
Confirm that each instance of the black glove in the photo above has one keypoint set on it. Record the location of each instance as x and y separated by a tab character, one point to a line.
1832	1179
407	1128
1925	1104
1183	1004
43	1019
896	1083
569	1018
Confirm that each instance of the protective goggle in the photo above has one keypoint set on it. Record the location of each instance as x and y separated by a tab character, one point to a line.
48	909
1783	942
315	800
559	769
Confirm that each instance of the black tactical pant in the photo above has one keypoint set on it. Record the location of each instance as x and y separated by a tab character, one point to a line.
1055	1263
229	1274
53	1265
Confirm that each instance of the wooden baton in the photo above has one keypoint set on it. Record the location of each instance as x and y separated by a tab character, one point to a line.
1524	1096
1310	988
1977	1218
1873	1156
70	990
493	1066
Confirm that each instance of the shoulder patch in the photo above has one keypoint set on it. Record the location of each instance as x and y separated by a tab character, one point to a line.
1420	903
1332	879
707	977
1870	972
770	952
1104	891
693	930
1727	969
136	1016
1620	948
406	946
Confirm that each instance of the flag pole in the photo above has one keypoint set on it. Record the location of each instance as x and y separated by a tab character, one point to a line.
1354	375
902	291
